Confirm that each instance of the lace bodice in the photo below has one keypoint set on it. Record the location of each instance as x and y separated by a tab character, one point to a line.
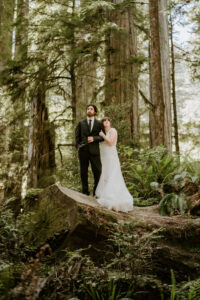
108	134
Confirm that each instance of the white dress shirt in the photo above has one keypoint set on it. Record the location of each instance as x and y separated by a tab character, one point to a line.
92	124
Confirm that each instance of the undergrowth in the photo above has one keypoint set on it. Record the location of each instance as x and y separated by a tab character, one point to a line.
156	176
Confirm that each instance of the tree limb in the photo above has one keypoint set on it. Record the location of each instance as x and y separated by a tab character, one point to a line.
63	145
151	105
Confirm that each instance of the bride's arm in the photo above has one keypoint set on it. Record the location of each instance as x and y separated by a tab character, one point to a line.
112	139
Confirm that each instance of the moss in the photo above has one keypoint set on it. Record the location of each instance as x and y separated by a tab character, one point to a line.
45	222
31	198
7	281
46	181
97	218
107	217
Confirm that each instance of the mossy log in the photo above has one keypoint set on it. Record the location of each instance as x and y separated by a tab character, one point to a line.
70	220
66	217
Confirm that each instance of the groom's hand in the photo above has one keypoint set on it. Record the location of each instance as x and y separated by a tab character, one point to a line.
90	139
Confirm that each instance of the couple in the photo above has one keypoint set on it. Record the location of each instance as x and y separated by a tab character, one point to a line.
96	143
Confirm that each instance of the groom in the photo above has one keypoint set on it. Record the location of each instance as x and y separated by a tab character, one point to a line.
87	143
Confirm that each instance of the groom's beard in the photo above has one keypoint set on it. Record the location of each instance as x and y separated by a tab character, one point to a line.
90	115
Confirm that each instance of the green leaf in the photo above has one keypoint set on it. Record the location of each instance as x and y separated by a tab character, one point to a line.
154	185
172	204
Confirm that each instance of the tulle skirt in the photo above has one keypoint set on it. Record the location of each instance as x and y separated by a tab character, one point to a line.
111	191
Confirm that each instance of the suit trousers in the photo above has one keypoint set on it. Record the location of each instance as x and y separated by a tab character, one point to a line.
85	158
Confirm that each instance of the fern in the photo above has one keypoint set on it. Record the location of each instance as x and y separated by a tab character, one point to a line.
189	290
90	8
154	172
172	204
109	294
173	289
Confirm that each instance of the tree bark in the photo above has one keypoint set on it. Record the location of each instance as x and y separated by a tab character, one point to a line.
158	114
86	84
1	42
165	67
6	20
73	92
121	78
176	135
41	149
17	136
86	87
21	48
73	74
10	179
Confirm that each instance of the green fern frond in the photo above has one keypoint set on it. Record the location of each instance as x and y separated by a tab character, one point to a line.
91	8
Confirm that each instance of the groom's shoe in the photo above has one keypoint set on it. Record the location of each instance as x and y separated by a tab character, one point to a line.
86	193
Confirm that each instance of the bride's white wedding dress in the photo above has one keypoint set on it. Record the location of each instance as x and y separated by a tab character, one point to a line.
111	191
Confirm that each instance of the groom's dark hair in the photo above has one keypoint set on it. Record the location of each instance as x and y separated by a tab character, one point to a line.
94	106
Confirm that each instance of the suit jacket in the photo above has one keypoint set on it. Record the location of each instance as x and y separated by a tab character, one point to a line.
83	132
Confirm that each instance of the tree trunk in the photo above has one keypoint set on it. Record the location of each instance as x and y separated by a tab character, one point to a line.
151	116
134	84
165	67
158	114
9	179
73	92
86	84
121	79
73	74
176	135
41	150
1	30
6	20
17	131
21	41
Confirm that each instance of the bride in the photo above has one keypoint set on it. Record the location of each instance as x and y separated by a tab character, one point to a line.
111	191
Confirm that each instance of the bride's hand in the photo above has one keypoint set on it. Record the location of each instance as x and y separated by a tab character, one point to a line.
101	133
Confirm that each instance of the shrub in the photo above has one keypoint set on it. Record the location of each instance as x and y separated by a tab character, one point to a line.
184	290
13	252
156	175
147	171
172	204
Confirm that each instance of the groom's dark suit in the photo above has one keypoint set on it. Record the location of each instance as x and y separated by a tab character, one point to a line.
89	152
